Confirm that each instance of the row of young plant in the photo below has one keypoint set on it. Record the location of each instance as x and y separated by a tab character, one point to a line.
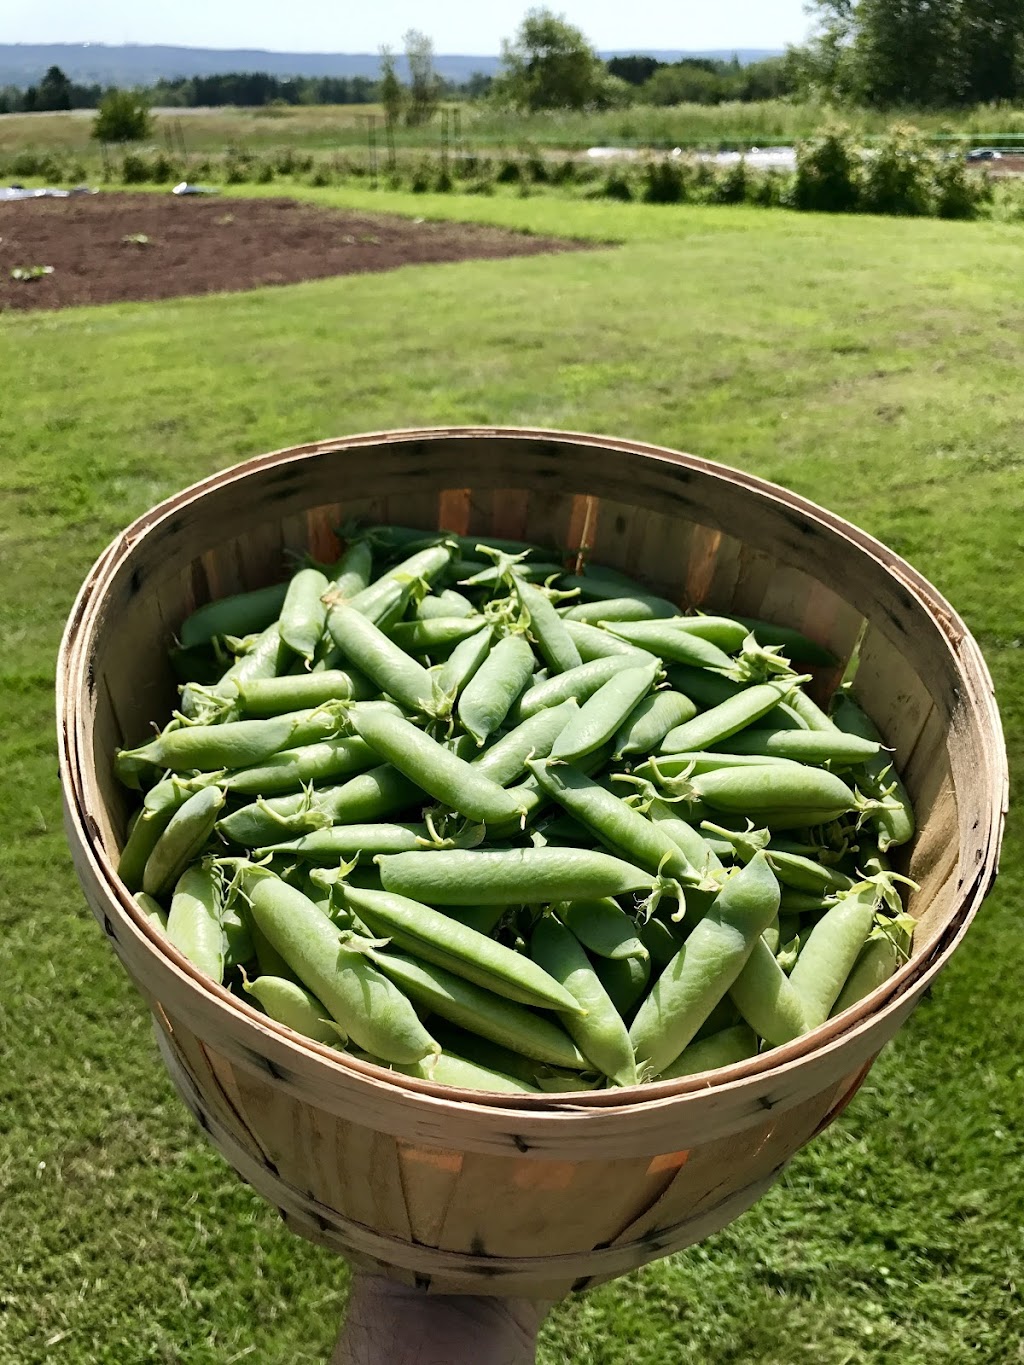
900	176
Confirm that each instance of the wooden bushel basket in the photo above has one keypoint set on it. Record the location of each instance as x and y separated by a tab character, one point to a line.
522	1194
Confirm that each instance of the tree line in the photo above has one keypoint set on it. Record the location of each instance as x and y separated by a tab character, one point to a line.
878	53
915	53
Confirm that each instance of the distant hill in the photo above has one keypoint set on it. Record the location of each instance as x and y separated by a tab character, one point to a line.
22	64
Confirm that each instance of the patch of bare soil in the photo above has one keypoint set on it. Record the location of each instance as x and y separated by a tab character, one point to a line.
199	245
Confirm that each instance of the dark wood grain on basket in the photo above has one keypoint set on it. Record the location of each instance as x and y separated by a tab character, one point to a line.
525	1194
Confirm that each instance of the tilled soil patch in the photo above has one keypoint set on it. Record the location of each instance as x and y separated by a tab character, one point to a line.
203	245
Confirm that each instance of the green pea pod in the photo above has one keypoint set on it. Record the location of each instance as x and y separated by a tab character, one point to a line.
578	684
697	762
448	603
879	778
269	960
722	631
370	1009
459	1042
777	796
268	657
650	721
876	963
731	1045
436	635
462	663
615	823
182	841
369	796
808	710
667	641
625	979
597	1029
600	717
505	760
706	966
158	807
264	697
711	727
635	608
498	681
827	957
547	628
303	614
438	938
236	744
661	939
433	768
340	842
513	876
804	746
240	614
594	643
482	1012
352	572
194	923
394	672
152	910
603	927
237	928
292	769
724	1015
767	1000
463	1074
692	842
707	689
288	1003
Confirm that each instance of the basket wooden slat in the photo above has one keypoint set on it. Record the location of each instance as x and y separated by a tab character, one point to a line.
525	1194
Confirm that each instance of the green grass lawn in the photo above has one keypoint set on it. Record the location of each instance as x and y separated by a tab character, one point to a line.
873	365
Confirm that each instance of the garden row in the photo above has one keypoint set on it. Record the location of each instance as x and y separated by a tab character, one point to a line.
901	175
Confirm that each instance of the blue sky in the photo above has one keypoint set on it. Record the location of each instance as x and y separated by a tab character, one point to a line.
470	26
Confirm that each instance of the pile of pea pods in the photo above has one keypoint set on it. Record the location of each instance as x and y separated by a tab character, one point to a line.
487	822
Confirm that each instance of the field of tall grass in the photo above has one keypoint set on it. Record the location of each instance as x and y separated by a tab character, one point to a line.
481	126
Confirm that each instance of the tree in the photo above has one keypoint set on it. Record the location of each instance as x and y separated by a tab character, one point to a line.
54	90
122	117
424	82
551	65
391	91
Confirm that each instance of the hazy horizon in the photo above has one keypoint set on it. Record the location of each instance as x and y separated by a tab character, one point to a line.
454	26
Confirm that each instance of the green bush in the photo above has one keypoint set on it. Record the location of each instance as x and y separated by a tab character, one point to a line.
536	169
665	182
291	162
422	181
163	170
509	173
265	173
563	173
28	163
122	117
769	190
828	173
731	185
617	185
321	176
898	175
444	183
135	170
958	192
483	185
236	172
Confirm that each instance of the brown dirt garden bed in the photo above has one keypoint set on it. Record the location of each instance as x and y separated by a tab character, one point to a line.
199	245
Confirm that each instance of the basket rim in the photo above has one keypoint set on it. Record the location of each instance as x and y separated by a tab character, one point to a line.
912	978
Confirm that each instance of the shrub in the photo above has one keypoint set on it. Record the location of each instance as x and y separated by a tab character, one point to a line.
562	173
122	117
536	169
162	170
958	193
236	172
264	173
28	163
898	176
730	185
617	186
828	174
321	177
422	181
665	182
509	173
444	184
770	189
483	185
135	170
